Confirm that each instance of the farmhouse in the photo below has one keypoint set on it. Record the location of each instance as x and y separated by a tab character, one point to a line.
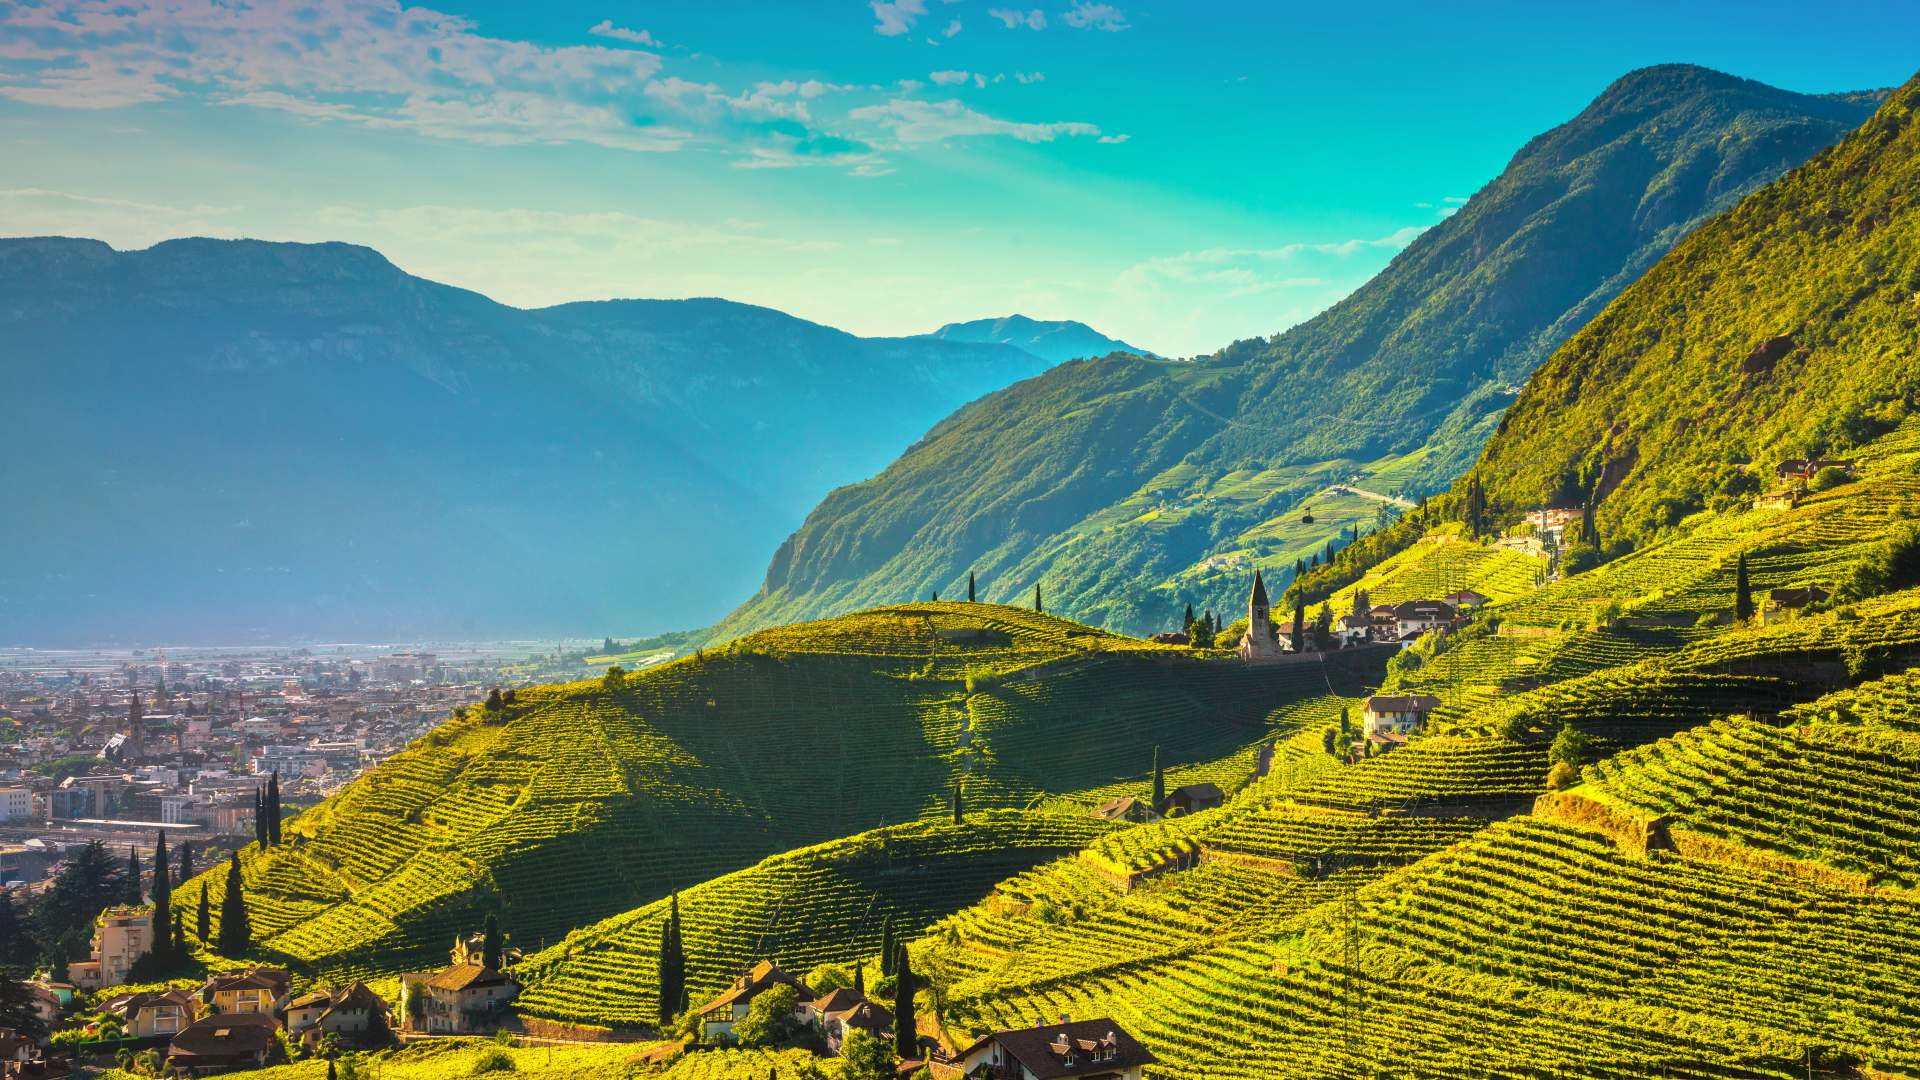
1398	713
1352	629
355	1014
461	999
1785	498
1782	603
1087	1048
1193	798
1465	600
218	1043
719	1015
845	1010
1123	808
1416	617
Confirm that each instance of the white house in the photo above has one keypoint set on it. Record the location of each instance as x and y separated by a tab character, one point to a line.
1416	617
1397	713
718	1016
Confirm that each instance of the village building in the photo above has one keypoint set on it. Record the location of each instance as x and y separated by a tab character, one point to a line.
221	1043
251	990
1416	617
1806	469
463	998
1397	713
1465	600
121	936
22	1059
1124	808
155	1013
718	1016
1261	642
1785	498
843	1011
1351	630
1550	524
1785	603
1193	798
355	1014
1090	1049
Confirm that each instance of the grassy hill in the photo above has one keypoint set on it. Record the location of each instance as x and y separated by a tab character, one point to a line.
827	903
1124	483
574	803
1785	328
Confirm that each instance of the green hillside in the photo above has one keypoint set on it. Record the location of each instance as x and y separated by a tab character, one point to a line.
574	803
1132	486
827	903
1784	329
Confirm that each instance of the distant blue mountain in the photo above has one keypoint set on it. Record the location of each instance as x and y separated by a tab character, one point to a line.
1056	342
233	440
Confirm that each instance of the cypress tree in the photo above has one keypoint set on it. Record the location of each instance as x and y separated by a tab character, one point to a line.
1036	596
235	933
860	977
673	965
1299	567
1299	626
1742	591
260	818
886	947
186	864
1188	621
936	596
163	940
1159	782
490	948
273	807
134	895
203	919
958	811
970	587
906	1031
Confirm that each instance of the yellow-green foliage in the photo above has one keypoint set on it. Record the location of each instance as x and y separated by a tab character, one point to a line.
580	801
1675	382
827	903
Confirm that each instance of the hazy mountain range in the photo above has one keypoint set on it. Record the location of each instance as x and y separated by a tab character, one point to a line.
215	440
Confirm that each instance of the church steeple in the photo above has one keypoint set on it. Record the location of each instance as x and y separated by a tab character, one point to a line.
1260	643
1258	601
136	728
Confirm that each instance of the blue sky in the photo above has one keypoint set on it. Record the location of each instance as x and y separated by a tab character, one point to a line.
1177	174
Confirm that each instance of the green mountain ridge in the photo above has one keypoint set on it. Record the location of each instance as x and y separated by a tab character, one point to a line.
1699	379
1131	486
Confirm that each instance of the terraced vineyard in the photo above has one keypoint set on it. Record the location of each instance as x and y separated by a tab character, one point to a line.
1842	796
578	802
827	903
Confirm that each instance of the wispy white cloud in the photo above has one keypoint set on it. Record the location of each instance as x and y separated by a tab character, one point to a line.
952	29
1026	77
891	18
1089	16
949	78
912	121
1242	272
1014	18
1114	140
605	28
123	222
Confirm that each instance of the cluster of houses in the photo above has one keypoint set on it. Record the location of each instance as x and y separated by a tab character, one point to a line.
1793	476
235	1019
1265	643
1090	1049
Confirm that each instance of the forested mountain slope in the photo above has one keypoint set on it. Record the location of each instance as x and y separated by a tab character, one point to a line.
1787	328
1132	486
224	440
